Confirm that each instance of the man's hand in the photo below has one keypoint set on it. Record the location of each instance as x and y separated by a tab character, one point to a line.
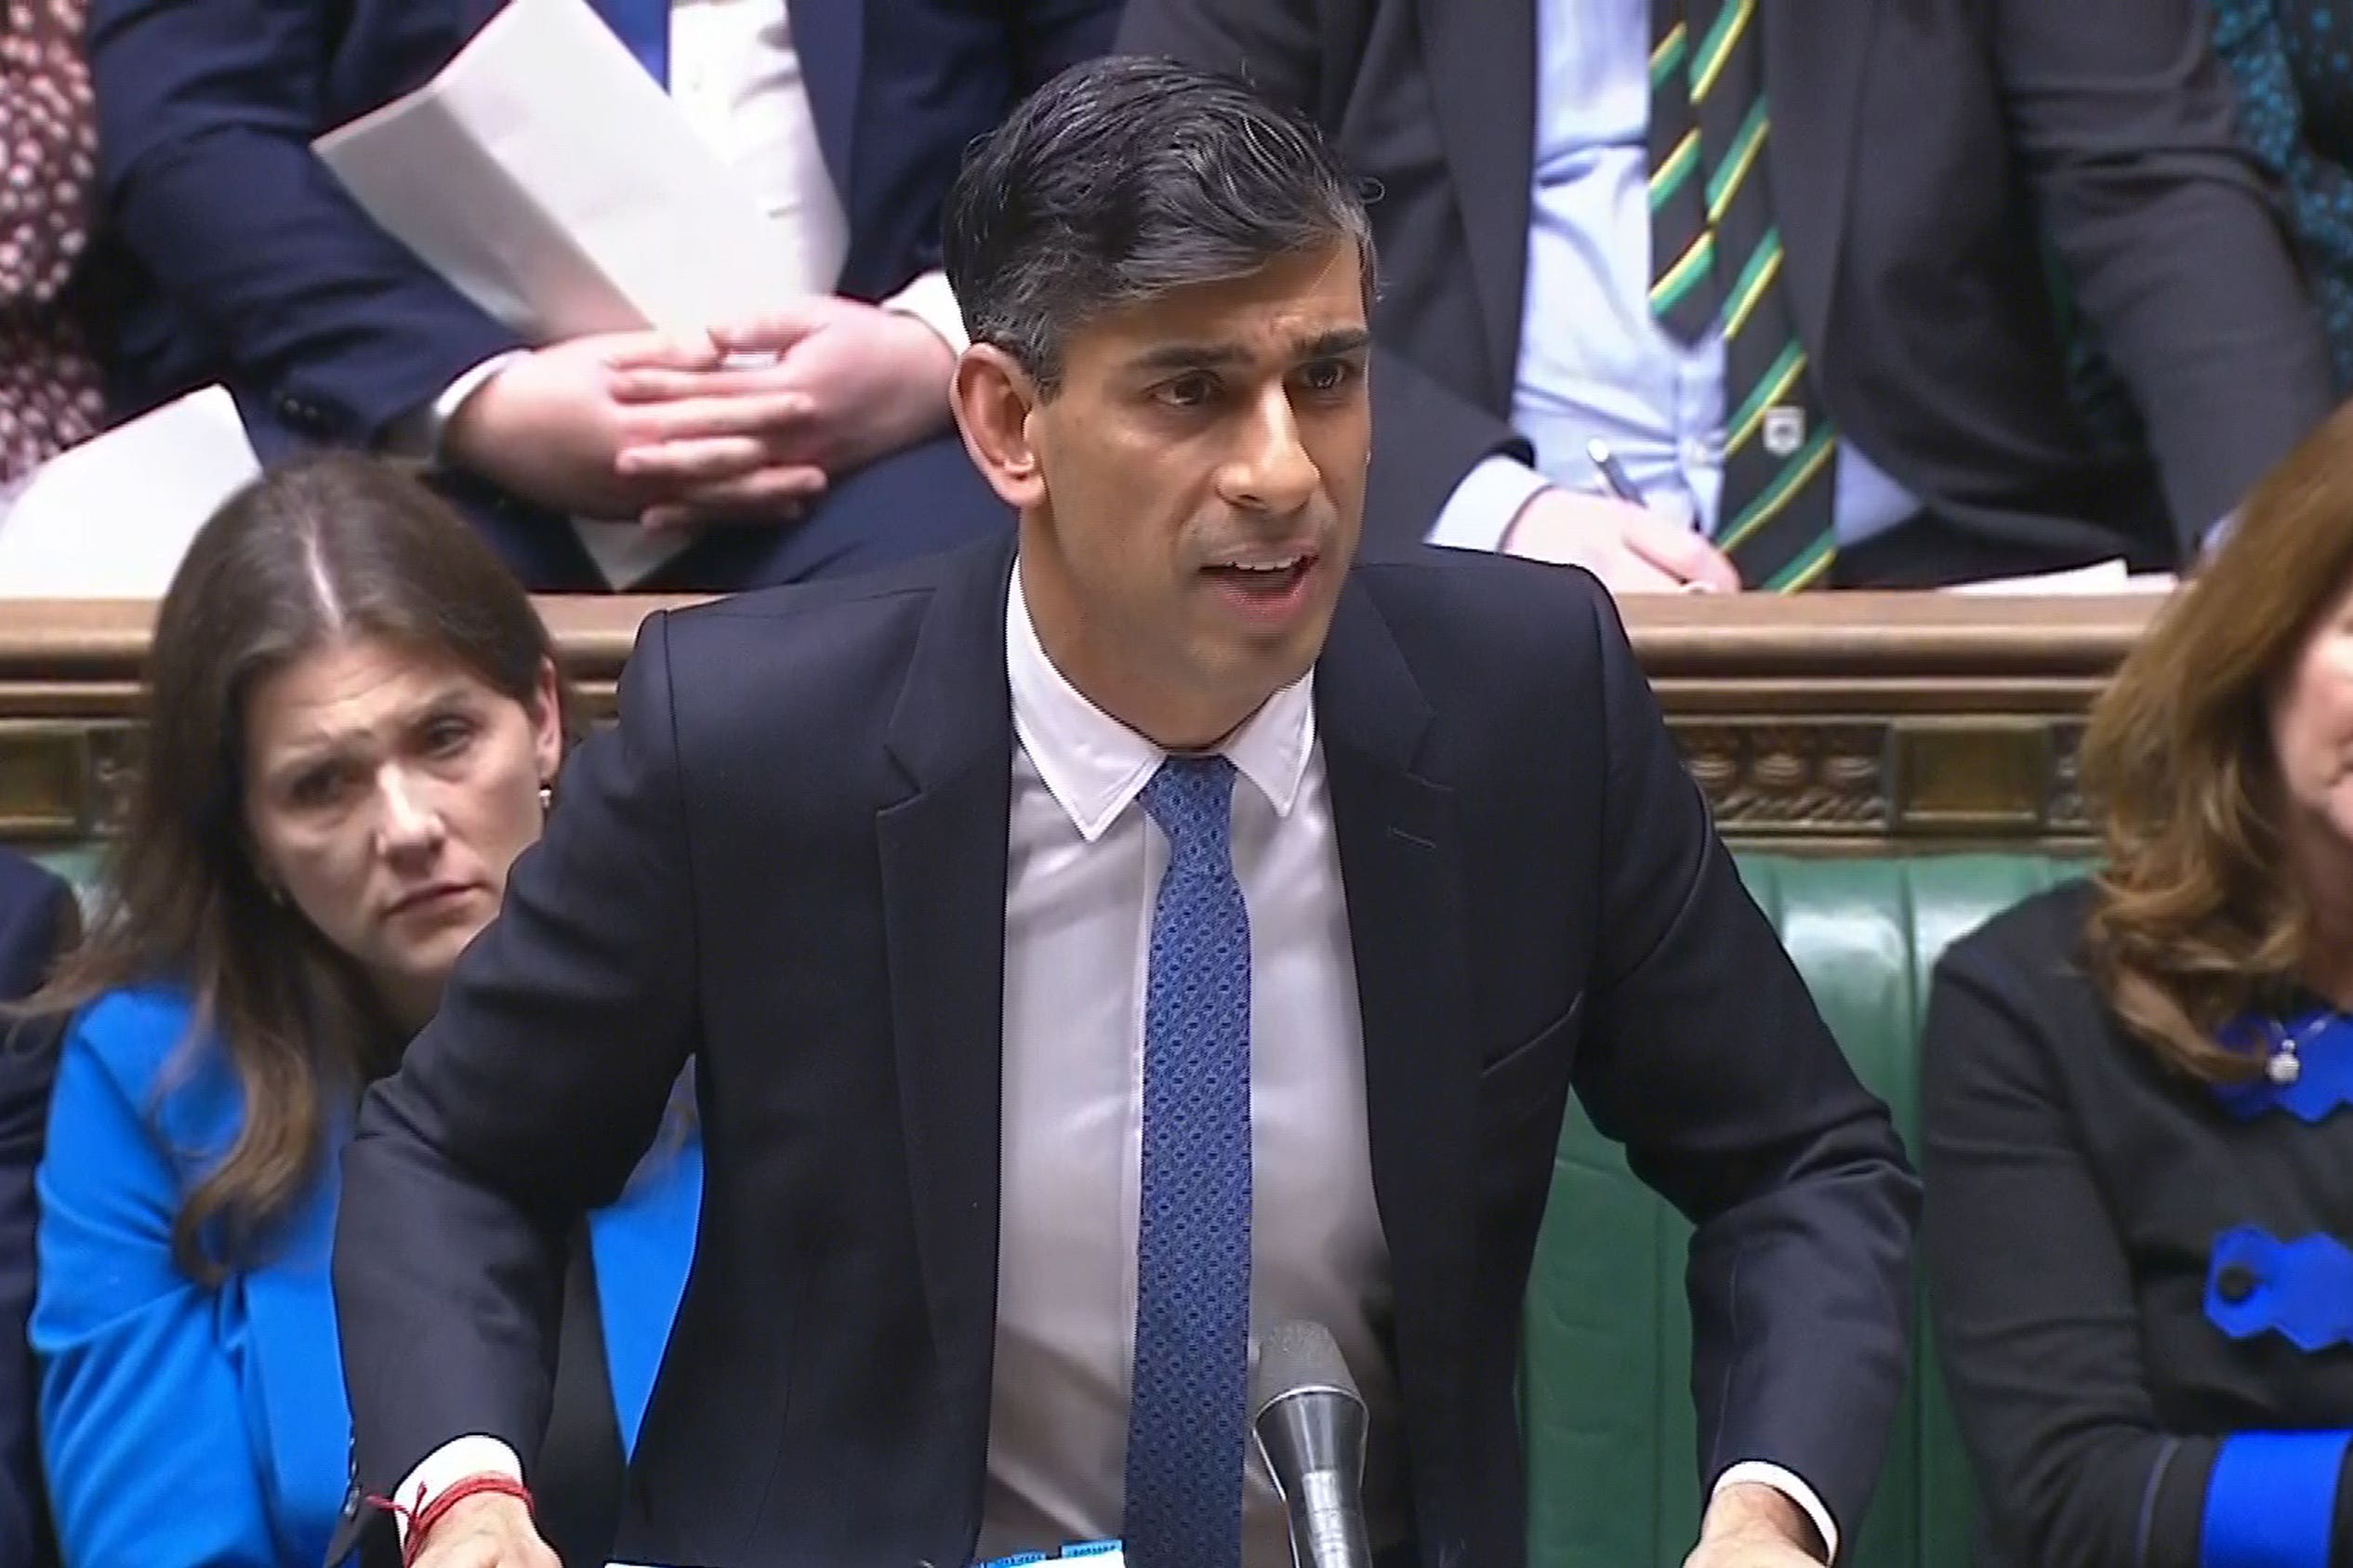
1751	1525
1630	549
490	1531
551	429
848	383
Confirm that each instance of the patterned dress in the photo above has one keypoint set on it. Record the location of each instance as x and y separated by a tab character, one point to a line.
49	395
2294	61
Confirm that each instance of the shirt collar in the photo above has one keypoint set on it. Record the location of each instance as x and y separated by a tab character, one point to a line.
1095	766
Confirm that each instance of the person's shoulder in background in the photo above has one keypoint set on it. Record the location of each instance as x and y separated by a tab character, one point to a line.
38	918
2040	935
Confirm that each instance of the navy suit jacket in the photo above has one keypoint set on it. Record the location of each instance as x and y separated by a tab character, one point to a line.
36	918
794	844
248	264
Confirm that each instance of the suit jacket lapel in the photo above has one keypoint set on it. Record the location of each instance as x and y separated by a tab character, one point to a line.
943	860
1814	53
829	38
1400	862
1483	84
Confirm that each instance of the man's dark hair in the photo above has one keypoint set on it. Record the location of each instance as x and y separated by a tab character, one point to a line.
1123	179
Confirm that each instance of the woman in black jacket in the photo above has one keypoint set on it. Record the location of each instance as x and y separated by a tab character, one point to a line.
2139	1159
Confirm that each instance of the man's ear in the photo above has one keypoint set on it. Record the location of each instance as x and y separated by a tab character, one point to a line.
992	396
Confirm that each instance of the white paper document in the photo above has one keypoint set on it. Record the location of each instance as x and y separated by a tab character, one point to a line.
2101	578
111	517
553	182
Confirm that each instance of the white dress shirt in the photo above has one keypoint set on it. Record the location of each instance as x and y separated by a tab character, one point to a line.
1083	867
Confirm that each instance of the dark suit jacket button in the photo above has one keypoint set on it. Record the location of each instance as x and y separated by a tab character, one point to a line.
2235	1282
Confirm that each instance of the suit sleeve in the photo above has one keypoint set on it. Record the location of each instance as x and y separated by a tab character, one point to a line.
2249	38
526	1102
36	919
2037	1322
142	1418
1427	437
2124	123
207	109
1705	1056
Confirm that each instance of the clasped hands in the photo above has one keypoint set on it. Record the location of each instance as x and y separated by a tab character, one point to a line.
747	423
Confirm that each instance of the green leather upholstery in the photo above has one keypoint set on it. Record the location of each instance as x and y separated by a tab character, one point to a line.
1605	1390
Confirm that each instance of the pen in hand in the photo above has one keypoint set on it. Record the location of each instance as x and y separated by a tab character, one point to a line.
1622	487
1613	473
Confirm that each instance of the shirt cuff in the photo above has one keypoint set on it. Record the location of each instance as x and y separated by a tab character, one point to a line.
1763	1473
417	436
1486	504
931	300
2217	536
445	1468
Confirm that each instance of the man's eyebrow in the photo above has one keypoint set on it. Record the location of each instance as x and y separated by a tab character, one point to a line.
1334	344
1191	355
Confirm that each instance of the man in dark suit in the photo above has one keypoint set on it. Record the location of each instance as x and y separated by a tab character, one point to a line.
37	918
1793	265
250	265
1042	1057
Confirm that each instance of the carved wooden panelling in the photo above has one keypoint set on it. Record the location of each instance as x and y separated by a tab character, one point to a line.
1834	720
1793	778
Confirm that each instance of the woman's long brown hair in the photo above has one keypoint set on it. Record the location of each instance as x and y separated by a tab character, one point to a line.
329	548
2198	916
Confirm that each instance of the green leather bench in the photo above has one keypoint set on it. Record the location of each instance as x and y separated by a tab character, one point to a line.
1606	1396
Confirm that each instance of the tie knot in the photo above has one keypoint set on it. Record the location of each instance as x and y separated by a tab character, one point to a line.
1191	798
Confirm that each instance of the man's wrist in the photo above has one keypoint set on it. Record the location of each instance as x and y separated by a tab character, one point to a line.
929	300
1751	1508
471	1502
422	434
1487	504
453	1462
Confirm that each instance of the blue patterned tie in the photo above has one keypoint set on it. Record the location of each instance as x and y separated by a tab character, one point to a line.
1185	1415
645	26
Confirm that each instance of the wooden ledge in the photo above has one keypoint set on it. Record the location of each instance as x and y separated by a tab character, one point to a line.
1836	722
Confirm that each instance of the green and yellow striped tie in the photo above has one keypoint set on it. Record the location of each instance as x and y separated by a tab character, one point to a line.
1716	262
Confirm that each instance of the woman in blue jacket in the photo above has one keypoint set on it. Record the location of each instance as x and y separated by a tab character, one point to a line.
354	723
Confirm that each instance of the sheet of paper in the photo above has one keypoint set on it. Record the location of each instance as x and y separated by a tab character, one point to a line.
111	519
2101	578
554	183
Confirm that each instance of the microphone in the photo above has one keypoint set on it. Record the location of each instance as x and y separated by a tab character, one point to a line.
1310	1423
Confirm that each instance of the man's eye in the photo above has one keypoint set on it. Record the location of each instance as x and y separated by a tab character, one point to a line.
1188	391
1329	375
